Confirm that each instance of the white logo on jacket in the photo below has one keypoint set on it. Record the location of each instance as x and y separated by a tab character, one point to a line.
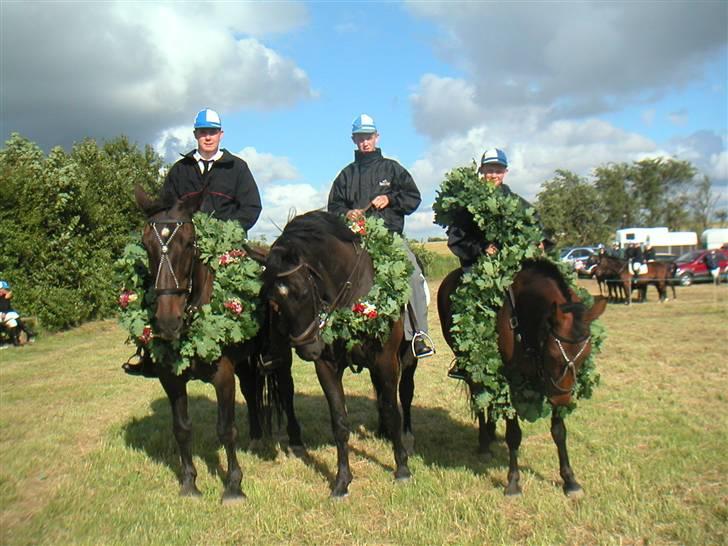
384	183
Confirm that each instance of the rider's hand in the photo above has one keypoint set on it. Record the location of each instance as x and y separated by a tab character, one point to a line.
380	201
491	249
354	214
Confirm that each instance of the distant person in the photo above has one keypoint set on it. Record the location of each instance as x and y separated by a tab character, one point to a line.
373	184
649	254
634	256
712	262
228	187
10	318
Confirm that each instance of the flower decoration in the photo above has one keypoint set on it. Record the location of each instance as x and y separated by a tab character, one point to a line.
231	257
366	309
234	305
127	297
359	226
146	336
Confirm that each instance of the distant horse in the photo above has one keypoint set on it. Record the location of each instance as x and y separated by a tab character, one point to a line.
314	267
659	274
184	282
615	273
548	346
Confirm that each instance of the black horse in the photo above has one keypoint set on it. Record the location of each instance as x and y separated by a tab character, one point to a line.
315	266
183	282
544	337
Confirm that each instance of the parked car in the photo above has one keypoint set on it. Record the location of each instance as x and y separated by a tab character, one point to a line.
691	266
577	256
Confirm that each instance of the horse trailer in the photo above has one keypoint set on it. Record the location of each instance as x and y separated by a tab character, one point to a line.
661	239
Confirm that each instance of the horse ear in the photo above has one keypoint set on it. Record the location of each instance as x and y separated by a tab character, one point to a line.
257	254
143	201
600	304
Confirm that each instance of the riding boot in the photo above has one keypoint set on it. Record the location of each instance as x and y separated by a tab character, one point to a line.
145	367
15	335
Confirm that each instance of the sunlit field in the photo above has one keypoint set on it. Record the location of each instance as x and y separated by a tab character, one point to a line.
87	455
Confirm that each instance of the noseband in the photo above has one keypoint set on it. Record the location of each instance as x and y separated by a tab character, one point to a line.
165	239
570	362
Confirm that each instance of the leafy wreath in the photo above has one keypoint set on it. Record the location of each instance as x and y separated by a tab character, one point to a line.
230	317
373	315
501	218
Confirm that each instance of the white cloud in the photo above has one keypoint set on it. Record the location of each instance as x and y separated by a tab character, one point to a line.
283	201
444	105
267	168
140	68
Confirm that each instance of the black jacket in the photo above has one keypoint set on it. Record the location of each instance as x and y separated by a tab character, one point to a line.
464	238
711	261
369	176
231	192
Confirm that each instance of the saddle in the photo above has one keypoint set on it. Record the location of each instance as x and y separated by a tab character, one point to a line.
639	268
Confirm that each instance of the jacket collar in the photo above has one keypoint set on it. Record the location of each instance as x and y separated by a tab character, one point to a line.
368	157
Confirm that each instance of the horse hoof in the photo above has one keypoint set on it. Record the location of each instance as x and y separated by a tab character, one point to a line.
512	491
190	491
297	451
402	475
233	497
574	492
256	444
339	496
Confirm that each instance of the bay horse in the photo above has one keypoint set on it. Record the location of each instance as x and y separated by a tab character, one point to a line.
549	344
315	266
615	273
659	274
184	283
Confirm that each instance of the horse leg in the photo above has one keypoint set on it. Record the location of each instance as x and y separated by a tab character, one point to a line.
513	439
558	433
387	376
251	386
486	434
406	394
330	379
176	389
224	382
286	390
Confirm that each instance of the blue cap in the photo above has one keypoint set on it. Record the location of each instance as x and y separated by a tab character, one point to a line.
494	155
4	285
363	124
208	119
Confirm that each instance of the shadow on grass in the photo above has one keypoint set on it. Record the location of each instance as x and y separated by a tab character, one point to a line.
441	441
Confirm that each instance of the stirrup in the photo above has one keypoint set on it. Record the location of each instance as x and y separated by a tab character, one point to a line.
455	372
429	345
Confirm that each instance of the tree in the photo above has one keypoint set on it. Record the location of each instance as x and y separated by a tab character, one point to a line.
660	188
65	218
570	208
702	204
614	185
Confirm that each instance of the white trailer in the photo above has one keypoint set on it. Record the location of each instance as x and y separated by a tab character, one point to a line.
661	239
714	238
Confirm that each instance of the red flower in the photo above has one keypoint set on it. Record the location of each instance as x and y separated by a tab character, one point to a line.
358	307
146	336
235	306
372	314
126	297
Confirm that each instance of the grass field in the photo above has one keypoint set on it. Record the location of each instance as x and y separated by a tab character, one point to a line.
87	455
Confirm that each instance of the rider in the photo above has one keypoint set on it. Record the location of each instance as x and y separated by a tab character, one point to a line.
650	255
635	258
464	237
374	182
10	318
230	191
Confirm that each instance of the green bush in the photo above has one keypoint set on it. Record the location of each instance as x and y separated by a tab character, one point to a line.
65	217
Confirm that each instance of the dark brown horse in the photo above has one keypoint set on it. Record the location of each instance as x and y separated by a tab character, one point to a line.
182	283
316	266
659	274
615	273
548	345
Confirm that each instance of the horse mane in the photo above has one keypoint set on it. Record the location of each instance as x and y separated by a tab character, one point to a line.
166	201
550	270
301	234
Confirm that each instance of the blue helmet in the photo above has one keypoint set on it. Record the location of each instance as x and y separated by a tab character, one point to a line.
363	124
494	155
207	119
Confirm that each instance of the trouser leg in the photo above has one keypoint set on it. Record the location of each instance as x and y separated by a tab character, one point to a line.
418	299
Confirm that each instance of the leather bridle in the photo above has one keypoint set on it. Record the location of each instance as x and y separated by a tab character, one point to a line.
164	240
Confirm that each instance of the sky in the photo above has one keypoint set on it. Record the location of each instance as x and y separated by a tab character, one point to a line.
557	85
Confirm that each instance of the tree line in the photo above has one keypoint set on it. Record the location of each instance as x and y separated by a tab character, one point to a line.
661	192
66	216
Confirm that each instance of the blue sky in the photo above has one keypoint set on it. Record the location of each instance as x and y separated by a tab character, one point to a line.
558	85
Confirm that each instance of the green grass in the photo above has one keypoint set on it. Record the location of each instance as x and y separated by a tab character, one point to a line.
87	455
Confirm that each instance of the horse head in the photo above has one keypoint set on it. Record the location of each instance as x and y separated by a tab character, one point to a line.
566	344
309	272
169	239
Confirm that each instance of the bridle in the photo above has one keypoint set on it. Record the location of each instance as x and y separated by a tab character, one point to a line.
321	318
164	239
569	366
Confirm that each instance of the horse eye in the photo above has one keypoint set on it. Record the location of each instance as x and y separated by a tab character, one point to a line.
282	290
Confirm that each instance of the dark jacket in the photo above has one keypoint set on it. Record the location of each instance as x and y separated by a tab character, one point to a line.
711	261
650	255
231	192
634	253
464	238
369	176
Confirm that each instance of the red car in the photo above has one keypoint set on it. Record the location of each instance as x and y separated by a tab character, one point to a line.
691	266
